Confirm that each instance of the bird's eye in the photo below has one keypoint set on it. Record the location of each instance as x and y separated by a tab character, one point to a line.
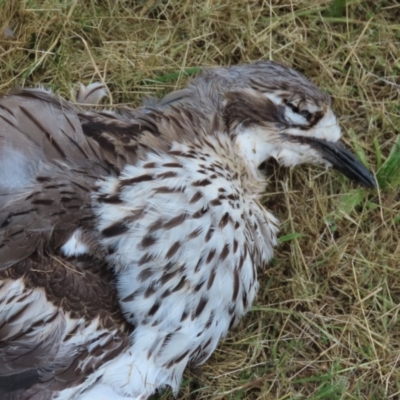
305	114
294	108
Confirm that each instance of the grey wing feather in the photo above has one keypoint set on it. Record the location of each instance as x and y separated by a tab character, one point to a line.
170	99
48	169
43	181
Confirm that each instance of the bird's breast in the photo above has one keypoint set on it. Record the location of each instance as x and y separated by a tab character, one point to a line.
183	238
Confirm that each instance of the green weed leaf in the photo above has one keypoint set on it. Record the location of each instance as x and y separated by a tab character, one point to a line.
336	9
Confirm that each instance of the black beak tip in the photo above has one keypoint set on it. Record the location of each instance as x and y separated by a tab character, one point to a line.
357	172
354	169
368	180
342	159
345	162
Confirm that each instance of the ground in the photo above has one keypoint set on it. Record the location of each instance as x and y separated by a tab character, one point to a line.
325	324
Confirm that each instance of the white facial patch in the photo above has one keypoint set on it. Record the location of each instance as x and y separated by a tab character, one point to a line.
257	145
290	115
312	108
293	117
74	245
327	128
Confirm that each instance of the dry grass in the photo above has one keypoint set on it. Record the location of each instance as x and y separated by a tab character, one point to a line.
326	323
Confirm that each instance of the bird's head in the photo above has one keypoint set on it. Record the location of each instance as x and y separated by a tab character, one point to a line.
274	111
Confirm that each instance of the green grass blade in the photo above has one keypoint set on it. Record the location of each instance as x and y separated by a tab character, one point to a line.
350	200
357	148
290	236
389	174
378	154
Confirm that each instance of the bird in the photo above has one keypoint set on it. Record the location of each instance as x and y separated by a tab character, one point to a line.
130	240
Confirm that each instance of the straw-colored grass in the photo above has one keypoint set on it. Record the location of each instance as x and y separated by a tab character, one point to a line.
326	322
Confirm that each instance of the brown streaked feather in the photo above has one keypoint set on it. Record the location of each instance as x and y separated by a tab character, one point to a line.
78	290
42	124
41	136
46	213
118	139
62	152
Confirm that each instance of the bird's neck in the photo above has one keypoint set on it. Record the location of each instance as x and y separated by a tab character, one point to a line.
254	151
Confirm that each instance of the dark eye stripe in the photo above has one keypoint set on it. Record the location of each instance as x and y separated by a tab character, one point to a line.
312	118
315	118
294	108
306	114
291	106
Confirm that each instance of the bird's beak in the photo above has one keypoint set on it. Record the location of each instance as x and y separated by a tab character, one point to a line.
343	160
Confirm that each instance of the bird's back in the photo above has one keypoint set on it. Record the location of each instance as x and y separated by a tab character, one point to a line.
51	306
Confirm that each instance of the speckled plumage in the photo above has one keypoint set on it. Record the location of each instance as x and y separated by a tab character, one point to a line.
156	212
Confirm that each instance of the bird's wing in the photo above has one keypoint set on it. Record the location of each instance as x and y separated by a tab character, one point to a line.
118	135
59	321
47	170
173	98
53	328
51	155
59	316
